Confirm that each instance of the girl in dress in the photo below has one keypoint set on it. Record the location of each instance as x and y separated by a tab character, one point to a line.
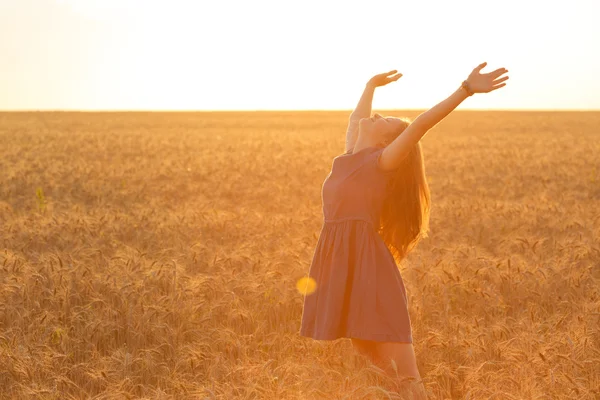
376	206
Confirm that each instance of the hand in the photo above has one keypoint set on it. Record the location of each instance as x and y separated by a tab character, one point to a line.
485	83
384	79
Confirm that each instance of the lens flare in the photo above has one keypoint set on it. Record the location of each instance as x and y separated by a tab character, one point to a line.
306	285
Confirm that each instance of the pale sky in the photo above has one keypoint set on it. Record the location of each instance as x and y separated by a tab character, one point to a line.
296	54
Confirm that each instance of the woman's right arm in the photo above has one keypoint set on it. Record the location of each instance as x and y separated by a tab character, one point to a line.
363	108
394	153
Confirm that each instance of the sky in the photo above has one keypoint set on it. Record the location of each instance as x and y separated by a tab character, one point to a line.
294	54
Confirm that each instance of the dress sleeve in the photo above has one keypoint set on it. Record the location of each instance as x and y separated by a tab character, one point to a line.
373	164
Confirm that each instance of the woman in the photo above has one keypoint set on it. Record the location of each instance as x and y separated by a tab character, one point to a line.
376	209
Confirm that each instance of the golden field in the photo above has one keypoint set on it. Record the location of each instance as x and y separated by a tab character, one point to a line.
156	255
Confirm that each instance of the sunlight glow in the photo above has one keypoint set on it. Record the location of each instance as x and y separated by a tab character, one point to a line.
306	285
265	54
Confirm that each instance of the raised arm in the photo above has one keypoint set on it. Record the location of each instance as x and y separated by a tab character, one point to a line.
363	108
394	153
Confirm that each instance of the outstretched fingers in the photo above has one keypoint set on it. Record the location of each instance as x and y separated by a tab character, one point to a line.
480	66
497	81
496	73
497	86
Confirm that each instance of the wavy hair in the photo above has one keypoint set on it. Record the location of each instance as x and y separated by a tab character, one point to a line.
405	215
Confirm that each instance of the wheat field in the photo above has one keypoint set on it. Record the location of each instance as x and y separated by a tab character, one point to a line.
156	255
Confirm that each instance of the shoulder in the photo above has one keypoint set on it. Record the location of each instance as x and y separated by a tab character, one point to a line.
367	157
374	161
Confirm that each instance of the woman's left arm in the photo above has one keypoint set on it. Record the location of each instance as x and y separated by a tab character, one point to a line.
363	108
395	152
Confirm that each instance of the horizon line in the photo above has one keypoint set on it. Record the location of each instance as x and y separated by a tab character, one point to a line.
292	110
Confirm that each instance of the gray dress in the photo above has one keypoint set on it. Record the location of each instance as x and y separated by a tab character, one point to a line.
359	291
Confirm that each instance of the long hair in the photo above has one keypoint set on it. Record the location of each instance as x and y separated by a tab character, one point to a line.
405	215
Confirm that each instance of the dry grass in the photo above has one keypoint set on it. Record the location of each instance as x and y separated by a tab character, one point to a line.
156	256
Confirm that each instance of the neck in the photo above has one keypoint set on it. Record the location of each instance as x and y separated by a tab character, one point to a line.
362	142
